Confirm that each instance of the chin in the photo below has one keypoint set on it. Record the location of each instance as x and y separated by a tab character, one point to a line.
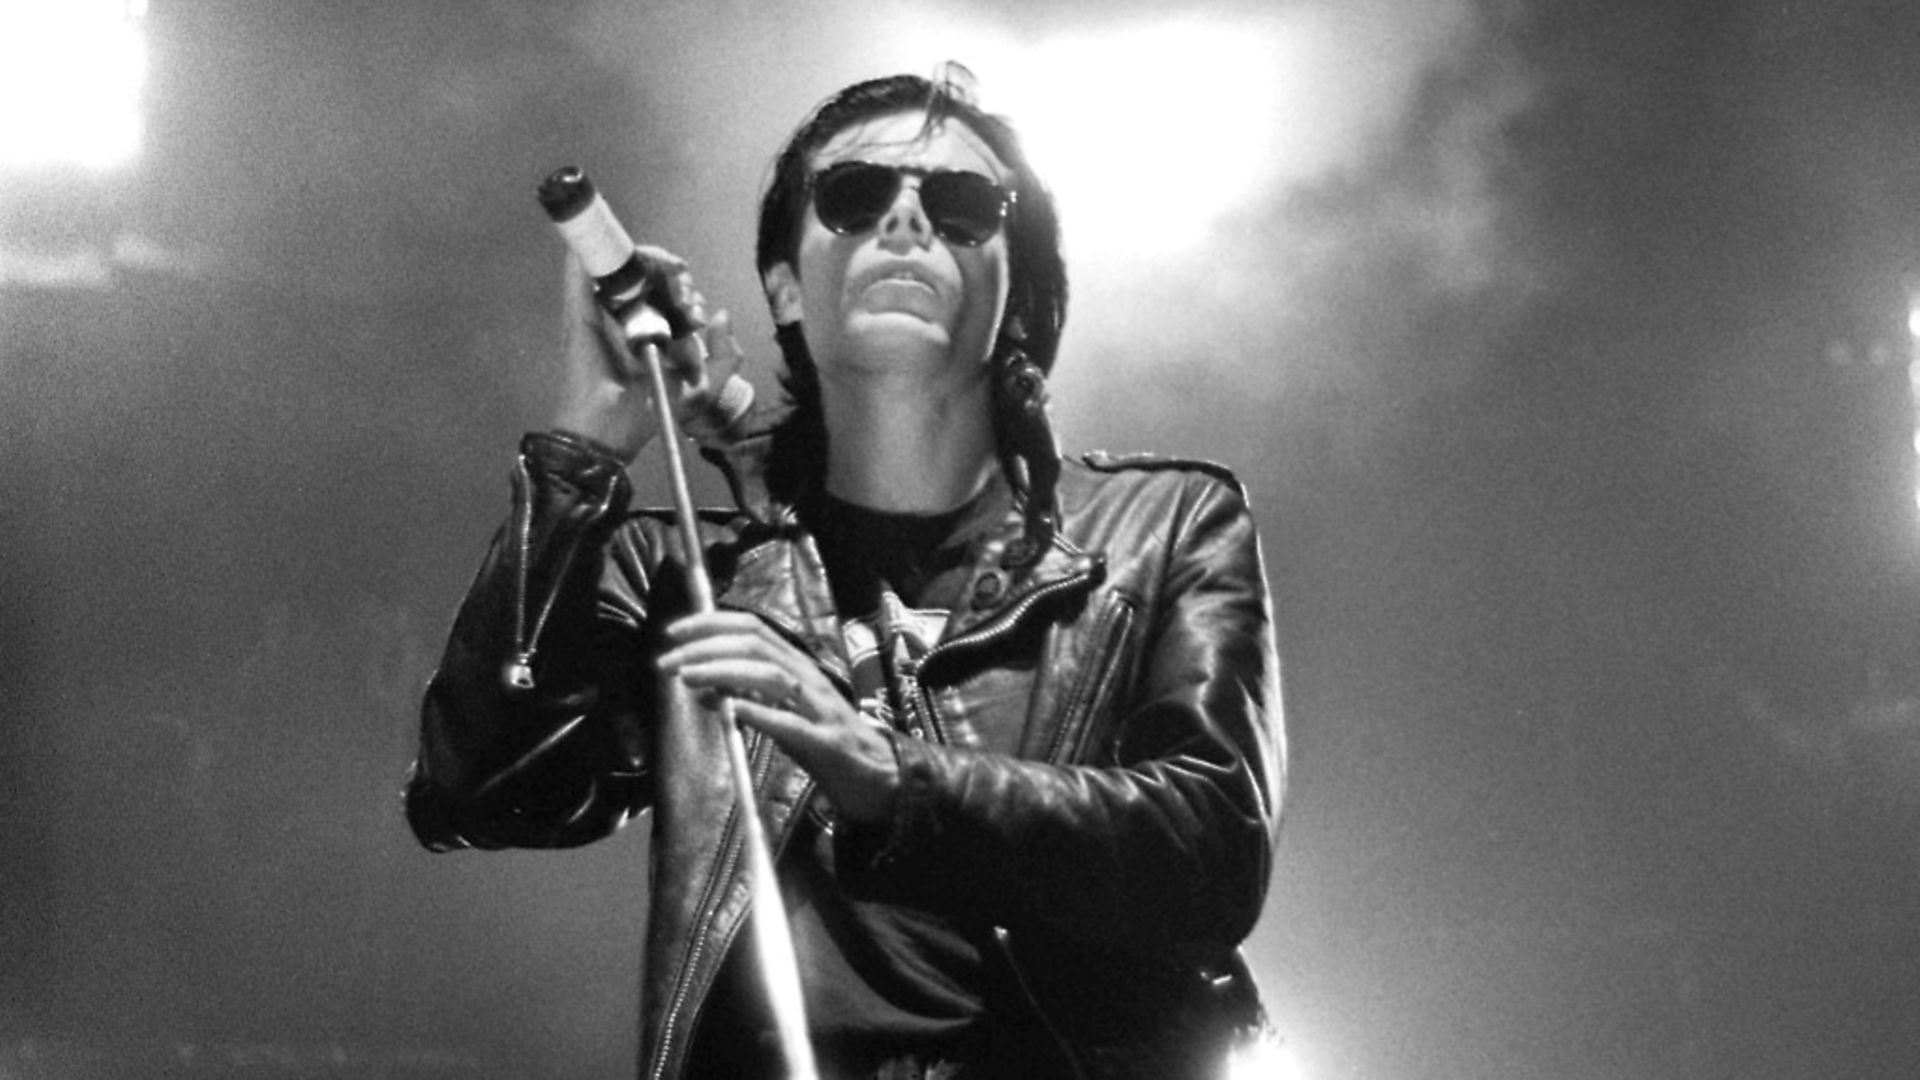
892	332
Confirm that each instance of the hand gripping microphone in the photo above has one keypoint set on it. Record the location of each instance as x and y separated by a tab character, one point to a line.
624	277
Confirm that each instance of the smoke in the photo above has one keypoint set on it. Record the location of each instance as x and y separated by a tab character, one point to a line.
1375	187
1383	208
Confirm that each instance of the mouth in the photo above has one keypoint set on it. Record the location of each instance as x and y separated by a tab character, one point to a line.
894	273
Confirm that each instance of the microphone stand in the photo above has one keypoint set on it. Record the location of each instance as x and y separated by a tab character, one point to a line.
771	934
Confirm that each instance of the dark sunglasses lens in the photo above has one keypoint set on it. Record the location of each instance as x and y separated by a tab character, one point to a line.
964	207
851	198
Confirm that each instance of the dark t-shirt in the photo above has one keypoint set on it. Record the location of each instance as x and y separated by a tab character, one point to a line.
878	978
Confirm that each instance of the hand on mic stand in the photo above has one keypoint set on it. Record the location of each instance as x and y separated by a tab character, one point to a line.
605	395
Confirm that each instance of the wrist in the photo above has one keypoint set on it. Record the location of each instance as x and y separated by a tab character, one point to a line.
562	444
870	800
615	437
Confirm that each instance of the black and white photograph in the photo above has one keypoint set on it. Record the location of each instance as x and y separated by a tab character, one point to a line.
959	540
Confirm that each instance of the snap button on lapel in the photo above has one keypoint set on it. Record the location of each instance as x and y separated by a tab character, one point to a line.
988	588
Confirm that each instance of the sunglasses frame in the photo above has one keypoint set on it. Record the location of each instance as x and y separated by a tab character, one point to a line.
1007	197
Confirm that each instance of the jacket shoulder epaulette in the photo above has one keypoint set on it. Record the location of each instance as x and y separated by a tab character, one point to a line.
1104	461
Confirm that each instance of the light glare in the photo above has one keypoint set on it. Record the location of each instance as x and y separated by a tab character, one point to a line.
1149	133
70	79
1264	1059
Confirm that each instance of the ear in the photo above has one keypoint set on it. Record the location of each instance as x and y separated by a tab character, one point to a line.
783	293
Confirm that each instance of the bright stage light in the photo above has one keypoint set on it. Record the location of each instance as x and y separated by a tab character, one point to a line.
1153	130
70	78
1264	1059
1148	133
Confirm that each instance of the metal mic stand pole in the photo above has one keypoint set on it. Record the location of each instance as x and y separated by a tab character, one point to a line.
771	933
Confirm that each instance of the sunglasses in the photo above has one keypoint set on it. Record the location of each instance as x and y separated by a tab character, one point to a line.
965	208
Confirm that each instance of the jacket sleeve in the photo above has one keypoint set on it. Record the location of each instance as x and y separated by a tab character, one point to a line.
1163	839
557	760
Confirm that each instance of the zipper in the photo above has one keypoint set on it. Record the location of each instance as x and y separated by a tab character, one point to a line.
517	673
683	988
913	689
916	705
1003	623
762	752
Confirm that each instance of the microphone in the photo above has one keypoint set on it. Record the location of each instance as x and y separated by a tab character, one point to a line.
626	278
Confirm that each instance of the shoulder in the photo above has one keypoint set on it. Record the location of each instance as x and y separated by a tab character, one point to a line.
1101	466
1112	501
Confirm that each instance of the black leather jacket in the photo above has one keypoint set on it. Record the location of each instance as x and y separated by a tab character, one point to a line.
1112	867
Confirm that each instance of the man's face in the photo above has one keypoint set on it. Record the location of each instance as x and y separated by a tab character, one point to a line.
897	298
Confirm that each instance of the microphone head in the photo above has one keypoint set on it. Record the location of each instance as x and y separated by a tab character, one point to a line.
565	193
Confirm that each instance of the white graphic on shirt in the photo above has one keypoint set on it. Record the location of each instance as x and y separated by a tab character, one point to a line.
885	645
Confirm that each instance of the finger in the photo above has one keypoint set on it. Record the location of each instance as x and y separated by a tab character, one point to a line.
856	767
742	676
711	623
714	650
796	736
737	665
660	259
729	635
676	279
723	352
686	359
691	300
749	681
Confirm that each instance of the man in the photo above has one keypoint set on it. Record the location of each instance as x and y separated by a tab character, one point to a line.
1015	721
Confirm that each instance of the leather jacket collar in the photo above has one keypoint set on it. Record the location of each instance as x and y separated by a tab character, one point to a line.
783	579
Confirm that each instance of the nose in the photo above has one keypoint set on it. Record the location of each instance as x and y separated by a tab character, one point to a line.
905	225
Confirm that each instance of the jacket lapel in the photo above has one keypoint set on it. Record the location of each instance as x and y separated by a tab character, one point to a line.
1001	593
783	580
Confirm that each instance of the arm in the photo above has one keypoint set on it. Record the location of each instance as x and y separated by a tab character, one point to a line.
1163	841
559	763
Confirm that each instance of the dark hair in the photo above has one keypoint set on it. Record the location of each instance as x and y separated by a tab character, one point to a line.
1036	285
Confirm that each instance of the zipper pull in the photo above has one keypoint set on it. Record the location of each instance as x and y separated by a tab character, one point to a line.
517	673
